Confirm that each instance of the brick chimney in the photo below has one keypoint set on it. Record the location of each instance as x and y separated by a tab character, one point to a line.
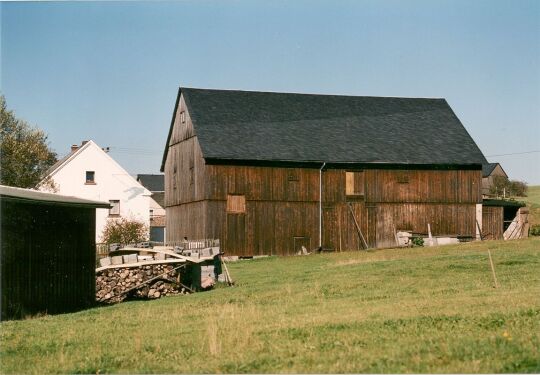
74	148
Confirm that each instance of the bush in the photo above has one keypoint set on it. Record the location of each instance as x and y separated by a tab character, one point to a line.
417	241
124	231
535	230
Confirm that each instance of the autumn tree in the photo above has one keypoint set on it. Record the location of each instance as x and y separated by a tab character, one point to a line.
24	151
123	231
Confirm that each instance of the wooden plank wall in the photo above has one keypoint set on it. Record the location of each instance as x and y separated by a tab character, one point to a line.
262	183
187	220
423	186
281	205
492	222
401	199
48	259
185	166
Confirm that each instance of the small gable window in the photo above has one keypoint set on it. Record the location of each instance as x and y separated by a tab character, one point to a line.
183	117
115	207
90	177
236	204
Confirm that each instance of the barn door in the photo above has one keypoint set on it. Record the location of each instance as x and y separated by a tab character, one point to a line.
236	225
236	235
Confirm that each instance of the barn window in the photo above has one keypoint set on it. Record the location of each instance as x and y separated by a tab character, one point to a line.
115	209
90	177
183	117
354	183
236	204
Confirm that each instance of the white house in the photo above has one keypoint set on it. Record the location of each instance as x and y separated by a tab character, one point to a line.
89	172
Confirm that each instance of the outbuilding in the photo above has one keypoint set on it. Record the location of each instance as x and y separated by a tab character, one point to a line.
48	253
272	173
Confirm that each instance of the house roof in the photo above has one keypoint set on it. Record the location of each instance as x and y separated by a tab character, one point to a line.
159	197
73	154
39	197
63	161
488	168
153	182
288	127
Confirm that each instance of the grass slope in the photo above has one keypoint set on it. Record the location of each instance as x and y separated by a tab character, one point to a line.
409	310
533	202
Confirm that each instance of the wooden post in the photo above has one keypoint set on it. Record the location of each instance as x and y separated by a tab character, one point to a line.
339	229
480	232
429	235
493	270
395	235
227	274
360	235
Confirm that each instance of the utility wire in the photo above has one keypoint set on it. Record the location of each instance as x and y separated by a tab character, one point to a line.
514	153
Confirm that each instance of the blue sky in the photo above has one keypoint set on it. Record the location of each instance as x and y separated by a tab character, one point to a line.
109	71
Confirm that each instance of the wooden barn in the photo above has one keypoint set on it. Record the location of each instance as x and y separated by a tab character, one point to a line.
268	173
48	253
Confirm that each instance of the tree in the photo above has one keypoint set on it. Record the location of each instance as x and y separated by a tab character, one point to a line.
123	231
25	155
510	188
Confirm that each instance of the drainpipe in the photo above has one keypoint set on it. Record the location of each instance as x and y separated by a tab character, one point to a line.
320	204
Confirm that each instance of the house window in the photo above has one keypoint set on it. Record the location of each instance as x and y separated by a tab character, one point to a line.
151	215
236	204
354	183
115	209
183	117
90	177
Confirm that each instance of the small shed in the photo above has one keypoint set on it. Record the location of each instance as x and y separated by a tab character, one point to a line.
499	215
48	252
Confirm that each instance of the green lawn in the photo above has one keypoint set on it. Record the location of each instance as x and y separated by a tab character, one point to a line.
533	202
408	310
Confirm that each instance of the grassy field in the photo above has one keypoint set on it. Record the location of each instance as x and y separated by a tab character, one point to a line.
533	202
408	310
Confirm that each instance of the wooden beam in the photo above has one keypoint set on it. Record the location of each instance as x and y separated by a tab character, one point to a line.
360	235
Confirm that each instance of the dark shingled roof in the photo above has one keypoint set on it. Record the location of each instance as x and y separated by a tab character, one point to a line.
488	168
153	182
265	126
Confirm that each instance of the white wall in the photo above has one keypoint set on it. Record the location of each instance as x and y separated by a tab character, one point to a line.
158	210
112	182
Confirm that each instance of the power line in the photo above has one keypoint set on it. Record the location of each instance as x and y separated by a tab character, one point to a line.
514	153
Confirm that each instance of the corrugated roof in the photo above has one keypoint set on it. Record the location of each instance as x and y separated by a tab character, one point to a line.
266	126
28	195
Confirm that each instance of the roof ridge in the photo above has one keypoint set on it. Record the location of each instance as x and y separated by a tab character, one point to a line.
182	88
